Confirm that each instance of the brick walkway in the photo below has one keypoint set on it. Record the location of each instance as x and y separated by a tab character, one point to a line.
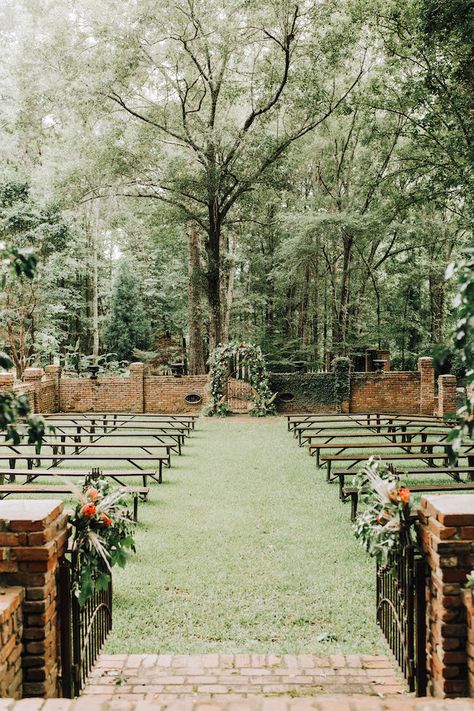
211	677
322	703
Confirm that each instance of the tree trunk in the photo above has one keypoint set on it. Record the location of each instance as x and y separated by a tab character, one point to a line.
437	287
213	251
196	360
228	248
95	286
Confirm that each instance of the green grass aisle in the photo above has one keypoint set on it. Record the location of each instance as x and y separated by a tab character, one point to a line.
245	548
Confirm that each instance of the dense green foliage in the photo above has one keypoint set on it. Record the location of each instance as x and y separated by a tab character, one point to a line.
247	357
322	151
128	325
307	388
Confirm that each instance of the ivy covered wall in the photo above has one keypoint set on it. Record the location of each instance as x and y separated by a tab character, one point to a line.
310	391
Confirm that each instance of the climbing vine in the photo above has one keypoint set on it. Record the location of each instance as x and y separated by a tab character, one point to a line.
251	357
342	385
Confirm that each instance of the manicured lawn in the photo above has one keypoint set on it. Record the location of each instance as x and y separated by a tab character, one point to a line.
245	548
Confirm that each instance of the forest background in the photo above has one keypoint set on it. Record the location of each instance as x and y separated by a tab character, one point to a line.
298	175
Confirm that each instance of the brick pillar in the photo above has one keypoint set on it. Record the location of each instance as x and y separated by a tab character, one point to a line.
427	404
447	535
137	398
385	356
33	536
446	394
11	632
7	381
32	377
468	601
54	373
370	354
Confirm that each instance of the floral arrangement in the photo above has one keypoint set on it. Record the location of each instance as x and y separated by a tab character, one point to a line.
251	357
379	526
103	534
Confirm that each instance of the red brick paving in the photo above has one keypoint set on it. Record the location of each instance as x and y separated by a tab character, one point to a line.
321	703
242	682
165	677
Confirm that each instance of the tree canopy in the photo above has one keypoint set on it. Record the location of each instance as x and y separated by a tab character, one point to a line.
293	174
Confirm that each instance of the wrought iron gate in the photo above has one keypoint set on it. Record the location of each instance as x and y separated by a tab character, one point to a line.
401	610
83	630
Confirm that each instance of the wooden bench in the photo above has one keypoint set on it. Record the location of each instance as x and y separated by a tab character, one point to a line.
89	429
120	416
372	419
453	472
303	432
56	459
8	489
374	447
59	438
78	447
389	434
114	424
353	492
395	457
115	474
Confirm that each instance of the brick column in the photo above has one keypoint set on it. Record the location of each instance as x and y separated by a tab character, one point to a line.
425	367
137	375
385	356
54	373
447	535
32	377
33	536
446	394
11	631
7	381
468	601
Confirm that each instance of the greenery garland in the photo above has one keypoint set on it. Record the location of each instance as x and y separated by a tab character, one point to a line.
251	358
342	385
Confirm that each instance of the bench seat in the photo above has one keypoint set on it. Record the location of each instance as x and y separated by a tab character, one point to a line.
354	492
17	489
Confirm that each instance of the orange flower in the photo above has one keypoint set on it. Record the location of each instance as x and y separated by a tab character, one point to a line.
92	494
105	519
88	510
404	495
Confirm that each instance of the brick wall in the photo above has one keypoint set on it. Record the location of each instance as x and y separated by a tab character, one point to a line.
11	632
167	394
33	537
385	392
447	537
407	392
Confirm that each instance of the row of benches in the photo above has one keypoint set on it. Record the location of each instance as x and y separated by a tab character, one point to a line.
380	435
75	438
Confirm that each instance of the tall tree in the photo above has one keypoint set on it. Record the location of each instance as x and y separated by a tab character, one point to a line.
128	327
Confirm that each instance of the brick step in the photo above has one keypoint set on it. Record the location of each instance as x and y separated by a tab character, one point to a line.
218	676
284	703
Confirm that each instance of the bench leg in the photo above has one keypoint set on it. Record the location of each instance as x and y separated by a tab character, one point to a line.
328	471
135	507
341	487
354	502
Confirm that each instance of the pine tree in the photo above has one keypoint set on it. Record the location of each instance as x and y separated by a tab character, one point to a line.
128	325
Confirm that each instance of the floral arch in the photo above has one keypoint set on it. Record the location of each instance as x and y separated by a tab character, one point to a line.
250	357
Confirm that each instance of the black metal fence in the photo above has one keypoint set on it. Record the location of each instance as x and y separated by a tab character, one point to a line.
401	610
83	630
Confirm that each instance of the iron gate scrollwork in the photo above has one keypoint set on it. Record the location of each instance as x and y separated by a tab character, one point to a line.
401	609
83	629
